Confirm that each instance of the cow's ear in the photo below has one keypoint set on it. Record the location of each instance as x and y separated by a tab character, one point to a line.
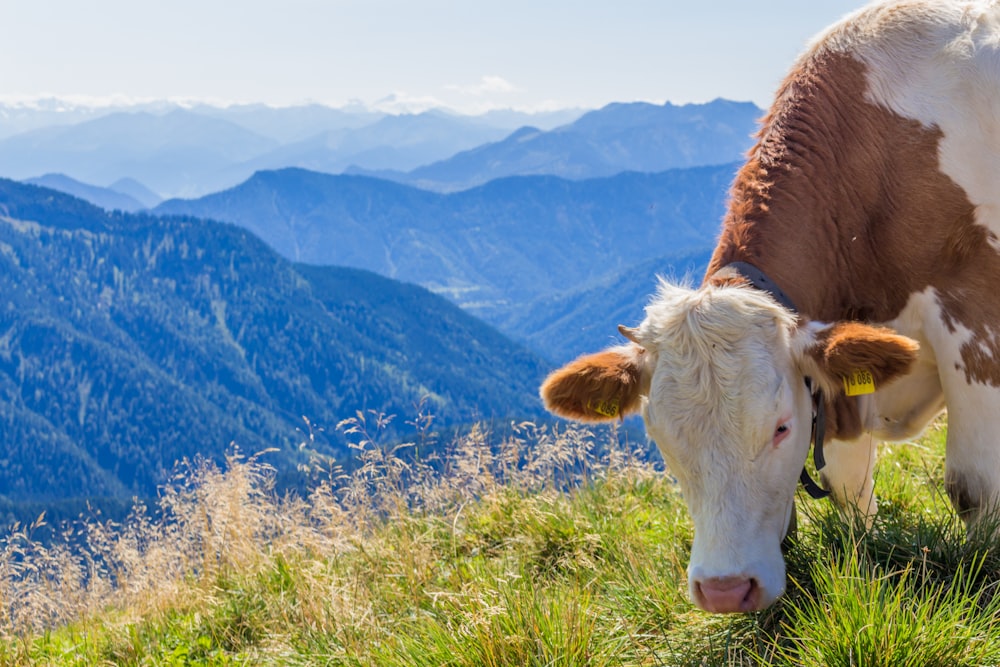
854	358
598	387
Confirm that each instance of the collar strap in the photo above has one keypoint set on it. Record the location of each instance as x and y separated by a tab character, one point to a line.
759	280
818	433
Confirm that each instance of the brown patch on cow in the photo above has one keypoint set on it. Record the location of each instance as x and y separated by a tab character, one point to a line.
971	303
842	203
843	417
597	387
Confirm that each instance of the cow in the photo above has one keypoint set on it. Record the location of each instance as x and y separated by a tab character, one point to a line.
854	280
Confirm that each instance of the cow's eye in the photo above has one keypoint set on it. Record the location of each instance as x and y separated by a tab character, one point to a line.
781	432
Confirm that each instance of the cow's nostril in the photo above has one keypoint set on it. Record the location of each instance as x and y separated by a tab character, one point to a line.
751	600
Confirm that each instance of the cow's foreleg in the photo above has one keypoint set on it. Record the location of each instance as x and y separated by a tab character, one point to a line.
848	475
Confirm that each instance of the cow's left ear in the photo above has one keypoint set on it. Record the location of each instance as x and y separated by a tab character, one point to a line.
599	387
854	358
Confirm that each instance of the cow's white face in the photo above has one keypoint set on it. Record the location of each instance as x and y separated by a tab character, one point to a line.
718	374
729	409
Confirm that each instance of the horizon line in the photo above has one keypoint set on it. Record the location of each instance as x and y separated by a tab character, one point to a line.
388	105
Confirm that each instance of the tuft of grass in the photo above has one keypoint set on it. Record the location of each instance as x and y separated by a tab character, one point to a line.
862	614
534	546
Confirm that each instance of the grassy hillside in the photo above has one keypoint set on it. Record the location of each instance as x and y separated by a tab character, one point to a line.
549	548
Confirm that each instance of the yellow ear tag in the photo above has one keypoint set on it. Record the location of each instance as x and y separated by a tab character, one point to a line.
608	408
859	382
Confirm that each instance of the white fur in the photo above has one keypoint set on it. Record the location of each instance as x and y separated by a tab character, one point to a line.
902	410
848	474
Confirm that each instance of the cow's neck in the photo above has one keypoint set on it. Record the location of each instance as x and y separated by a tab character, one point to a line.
834	196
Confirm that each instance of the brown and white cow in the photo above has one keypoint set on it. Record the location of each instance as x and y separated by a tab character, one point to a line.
872	199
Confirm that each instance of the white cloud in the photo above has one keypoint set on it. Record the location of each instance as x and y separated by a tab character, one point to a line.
488	85
400	102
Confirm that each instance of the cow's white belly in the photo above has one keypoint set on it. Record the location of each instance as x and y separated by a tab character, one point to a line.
902	409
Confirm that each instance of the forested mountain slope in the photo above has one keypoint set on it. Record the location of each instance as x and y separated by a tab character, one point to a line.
128	342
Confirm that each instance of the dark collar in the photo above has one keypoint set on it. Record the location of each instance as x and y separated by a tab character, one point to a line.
759	279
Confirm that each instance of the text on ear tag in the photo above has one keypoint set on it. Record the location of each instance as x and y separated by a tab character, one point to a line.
859	382
606	408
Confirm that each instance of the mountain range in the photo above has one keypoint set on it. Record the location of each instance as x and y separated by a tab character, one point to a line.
129	342
283	123
176	152
495	249
392	142
189	152
619	137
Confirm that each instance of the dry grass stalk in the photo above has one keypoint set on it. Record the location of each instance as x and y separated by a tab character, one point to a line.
210	521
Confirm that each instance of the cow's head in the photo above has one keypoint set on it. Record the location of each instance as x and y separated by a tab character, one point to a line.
718	374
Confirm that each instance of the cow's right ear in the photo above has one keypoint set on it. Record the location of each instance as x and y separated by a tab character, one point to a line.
848	355
598	387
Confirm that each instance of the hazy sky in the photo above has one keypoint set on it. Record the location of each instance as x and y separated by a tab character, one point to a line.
468	54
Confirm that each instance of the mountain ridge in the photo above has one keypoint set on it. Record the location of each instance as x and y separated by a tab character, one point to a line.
618	137
493	249
107	198
190	152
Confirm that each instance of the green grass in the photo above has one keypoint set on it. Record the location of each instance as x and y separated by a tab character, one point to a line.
551	548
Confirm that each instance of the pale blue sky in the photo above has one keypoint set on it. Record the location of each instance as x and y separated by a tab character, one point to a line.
469	54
